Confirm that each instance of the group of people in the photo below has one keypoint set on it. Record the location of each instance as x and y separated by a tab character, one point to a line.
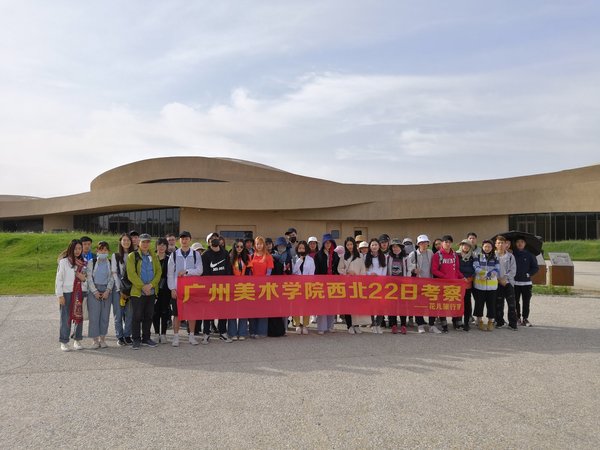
139	283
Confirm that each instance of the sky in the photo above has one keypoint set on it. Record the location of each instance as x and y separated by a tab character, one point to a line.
377	92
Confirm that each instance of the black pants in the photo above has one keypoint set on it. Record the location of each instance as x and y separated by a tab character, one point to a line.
221	325
468	312
419	320
525	292
393	320
162	311
348	320
143	309
506	293
443	321
487	298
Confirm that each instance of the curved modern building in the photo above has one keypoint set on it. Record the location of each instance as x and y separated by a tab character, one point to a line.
240	198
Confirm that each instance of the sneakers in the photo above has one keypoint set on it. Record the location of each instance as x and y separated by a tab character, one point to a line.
225	338
357	329
64	347
163	339
351	330
128	341
434	329
204	340
192	339
500	325
298	330
304	330
402	330
519	322
374	329
512	328
466	327
77	345
394	329
241	338
121	342
490	325
136	345
526	323
103	344
175	342
149	343
95	345
321	333
444	328
331	330
421	328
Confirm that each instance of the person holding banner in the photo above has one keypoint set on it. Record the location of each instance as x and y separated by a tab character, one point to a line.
326	263
352	264
184	262
303	265
375	263
397	266
261	265
419	265
237	329
445	264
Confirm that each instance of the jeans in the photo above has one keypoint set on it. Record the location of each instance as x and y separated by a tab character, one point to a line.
506	292
123	315
259	327
143	309
325	323
237	327
65	324
524	291
99	314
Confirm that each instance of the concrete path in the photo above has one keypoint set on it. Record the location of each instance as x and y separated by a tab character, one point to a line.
587	275
535	388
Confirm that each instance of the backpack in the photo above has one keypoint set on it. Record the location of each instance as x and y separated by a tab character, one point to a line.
125	283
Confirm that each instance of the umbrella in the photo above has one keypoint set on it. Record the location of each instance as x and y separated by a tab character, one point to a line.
533	244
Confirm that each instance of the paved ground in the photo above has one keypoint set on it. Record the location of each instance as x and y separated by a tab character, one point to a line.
536	388
587	275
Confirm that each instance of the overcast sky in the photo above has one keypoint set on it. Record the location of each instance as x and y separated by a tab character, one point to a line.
354	91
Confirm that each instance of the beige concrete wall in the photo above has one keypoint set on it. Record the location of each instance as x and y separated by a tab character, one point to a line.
58	222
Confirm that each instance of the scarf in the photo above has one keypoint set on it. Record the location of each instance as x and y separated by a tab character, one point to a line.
330	261
76	312
466	256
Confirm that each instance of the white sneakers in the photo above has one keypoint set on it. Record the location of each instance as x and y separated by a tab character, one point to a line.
95	345
64	347
163	339
205	339
192	339
376	330
77	345
351	330
103	344
434	329
299	330
175	342
421	329
304	330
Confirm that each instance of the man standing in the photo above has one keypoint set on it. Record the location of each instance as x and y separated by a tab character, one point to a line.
291	235
86	252
506	281
215	261
472	237
135	239
144	271
183	263
446	265
527	266
172	240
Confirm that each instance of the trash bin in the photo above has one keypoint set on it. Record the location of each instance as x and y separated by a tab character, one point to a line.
540	276
562	271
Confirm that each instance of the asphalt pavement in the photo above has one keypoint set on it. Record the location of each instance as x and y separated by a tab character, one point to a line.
534	388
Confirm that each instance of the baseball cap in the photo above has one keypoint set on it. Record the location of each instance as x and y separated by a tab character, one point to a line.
185	234
290	231
145	237
209	235
384	237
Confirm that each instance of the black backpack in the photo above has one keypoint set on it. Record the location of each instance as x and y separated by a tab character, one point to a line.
125	283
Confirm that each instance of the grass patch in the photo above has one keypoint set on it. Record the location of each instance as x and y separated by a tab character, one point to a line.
552	290
579	250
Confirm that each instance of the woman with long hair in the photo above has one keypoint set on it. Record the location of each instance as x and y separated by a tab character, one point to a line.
237	329
303	265
120	301
487	269
162	305
261	265
375	263
70	288
352	264
398	266
326	263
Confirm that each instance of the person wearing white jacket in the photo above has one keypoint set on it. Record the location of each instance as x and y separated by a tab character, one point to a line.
185	262
376	264
351	263
303	265
70	288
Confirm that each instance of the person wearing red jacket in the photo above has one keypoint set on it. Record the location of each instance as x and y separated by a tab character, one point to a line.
445	264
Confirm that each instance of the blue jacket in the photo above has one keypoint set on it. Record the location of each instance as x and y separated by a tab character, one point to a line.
526	267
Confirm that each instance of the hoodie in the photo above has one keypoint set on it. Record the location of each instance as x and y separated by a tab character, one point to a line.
446	265
527	266
216	263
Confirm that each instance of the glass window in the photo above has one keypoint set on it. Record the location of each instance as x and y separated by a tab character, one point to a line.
592	226
580	223
146	221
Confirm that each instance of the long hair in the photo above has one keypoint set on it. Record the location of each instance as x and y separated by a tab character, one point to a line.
69	252
305	244
354	253
401	255
120	255
234	255
260	239
380	256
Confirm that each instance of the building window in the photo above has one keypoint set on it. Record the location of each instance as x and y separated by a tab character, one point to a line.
156	222
335	234
234	235
183	180
558	226
36	225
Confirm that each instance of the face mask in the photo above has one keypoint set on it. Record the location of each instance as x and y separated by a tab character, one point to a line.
214	243
302	253
102	255
293	239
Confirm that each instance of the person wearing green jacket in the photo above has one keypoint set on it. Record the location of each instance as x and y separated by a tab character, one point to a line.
143	271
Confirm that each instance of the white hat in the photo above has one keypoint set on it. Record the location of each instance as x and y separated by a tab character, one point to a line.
209	235
312	239
406	239
197	246
363	244
422	238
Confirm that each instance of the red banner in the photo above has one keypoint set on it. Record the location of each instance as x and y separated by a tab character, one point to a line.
230	297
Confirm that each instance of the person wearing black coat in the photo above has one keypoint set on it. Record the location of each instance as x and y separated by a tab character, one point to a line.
465	255
527	266
326	263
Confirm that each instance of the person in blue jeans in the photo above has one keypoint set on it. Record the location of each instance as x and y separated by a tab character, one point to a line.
70	287
100	283
120	302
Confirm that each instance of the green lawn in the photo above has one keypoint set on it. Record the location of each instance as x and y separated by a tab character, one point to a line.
28	260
